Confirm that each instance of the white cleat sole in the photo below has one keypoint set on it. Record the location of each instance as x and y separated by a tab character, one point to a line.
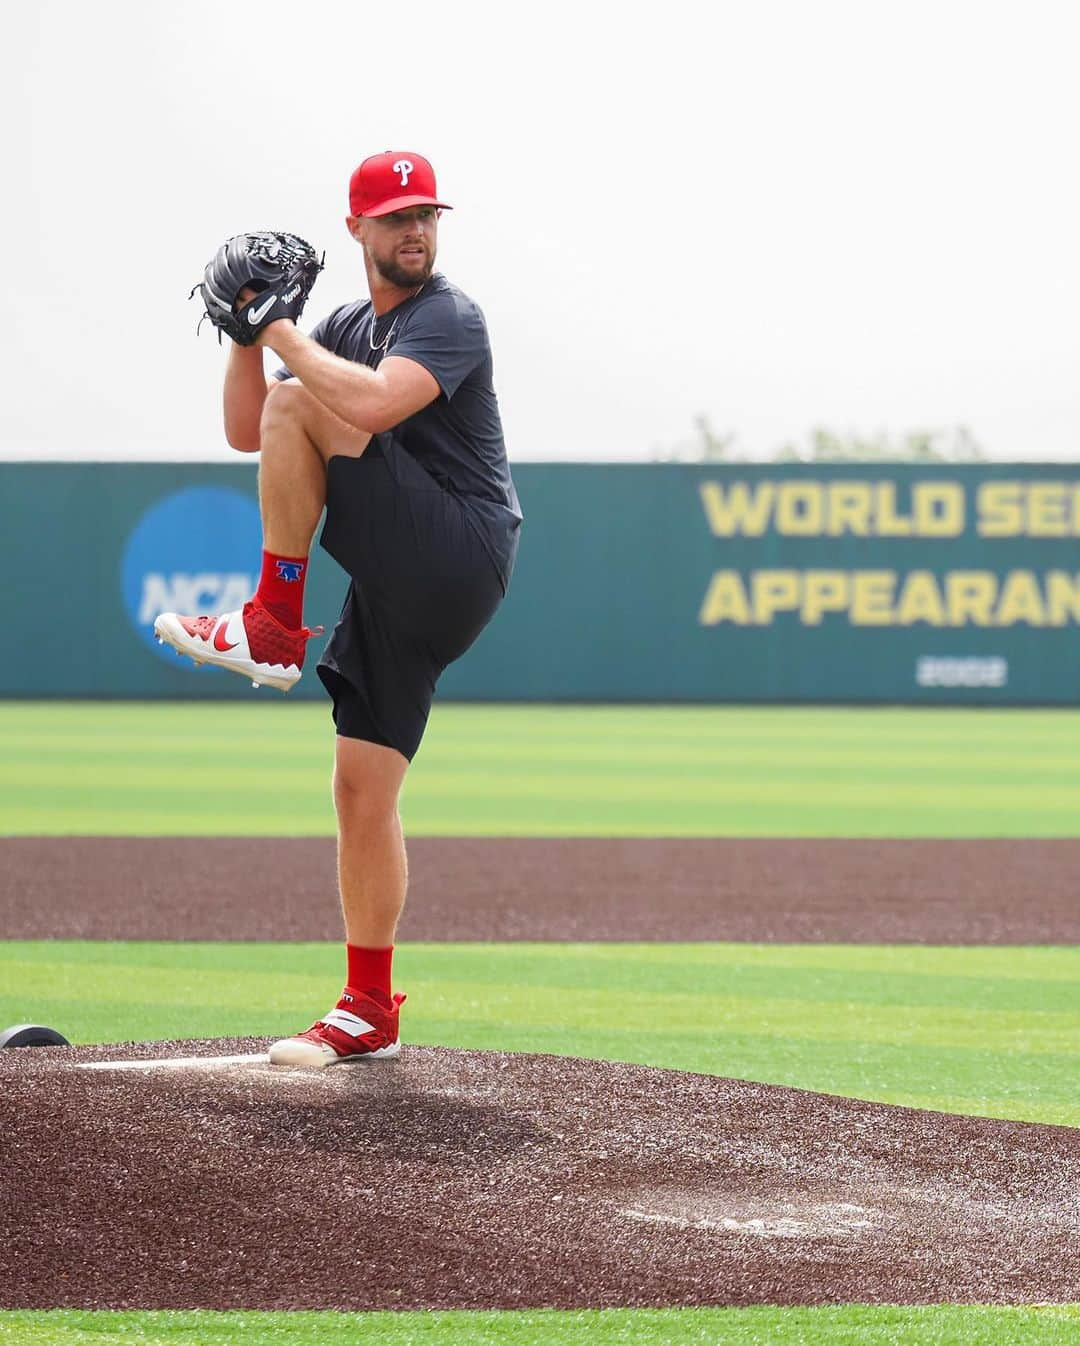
169	631
317	1056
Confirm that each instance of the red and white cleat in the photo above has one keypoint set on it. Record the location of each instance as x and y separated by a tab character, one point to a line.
251	642
357	1028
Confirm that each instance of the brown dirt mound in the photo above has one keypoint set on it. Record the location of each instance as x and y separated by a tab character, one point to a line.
854	891
456	1179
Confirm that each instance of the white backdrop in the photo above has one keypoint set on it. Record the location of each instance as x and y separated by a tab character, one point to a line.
780	214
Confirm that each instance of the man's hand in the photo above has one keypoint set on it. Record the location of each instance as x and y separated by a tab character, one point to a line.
271	335
264	337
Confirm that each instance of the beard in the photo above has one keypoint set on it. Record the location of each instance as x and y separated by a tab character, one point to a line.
393	272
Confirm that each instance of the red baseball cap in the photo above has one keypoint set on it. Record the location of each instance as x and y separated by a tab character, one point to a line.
393	180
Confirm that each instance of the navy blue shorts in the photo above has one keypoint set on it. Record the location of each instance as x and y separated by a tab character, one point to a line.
423	588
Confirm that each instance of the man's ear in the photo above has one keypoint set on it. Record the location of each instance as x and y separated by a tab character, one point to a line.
355	226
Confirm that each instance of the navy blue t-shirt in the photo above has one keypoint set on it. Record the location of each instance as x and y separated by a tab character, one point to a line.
458	438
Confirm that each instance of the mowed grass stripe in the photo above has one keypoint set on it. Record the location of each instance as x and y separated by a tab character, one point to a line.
955	1029
146	769
550	755
555	731
169	811
843	1325
1032	979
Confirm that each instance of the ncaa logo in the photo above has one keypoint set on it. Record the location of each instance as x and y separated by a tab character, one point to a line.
191	552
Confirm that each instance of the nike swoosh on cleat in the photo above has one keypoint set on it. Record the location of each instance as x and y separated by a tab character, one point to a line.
220	643
258	314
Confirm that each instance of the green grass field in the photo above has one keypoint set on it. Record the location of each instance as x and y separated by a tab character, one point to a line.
205	769
946	1325
992	1032
979	1030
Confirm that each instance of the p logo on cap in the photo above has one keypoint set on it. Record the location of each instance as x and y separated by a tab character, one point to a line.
393	180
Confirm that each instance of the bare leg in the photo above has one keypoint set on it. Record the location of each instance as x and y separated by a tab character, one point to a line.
372	868
298	436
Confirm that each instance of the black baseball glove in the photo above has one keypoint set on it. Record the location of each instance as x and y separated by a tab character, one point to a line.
280	268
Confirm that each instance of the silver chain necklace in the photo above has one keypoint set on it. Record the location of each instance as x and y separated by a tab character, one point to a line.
382	345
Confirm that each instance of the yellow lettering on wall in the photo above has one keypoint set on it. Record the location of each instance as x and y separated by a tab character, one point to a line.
1020	600
849	509
1062	598
889	522
872	597
920	600
773	591
938	508
799	510
998	509
970	596
740	510
824	591
885	598
1046	509
725	600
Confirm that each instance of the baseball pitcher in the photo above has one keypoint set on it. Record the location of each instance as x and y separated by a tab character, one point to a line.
385	415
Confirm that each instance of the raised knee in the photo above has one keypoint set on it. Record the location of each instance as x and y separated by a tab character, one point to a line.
286	400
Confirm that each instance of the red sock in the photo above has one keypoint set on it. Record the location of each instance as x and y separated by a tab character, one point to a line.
369	971
281	588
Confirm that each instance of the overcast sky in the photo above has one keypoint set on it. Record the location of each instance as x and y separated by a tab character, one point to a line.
780	214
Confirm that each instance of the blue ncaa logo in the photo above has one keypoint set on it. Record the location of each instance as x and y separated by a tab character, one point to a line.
196	551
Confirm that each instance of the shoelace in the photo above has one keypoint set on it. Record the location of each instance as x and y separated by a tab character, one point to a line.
396	1001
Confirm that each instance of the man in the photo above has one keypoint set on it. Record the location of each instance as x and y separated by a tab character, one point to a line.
387	415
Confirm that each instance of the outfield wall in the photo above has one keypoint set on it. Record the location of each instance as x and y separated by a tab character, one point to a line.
853	583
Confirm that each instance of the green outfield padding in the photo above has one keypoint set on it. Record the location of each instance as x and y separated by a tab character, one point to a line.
986	1031
844	1325
213	769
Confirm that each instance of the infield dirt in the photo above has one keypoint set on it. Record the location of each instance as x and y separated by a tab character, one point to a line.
841	891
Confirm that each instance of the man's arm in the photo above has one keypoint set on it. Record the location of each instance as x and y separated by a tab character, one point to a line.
371	400
244	395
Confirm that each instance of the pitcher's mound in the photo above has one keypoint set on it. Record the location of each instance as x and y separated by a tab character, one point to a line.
452	1179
